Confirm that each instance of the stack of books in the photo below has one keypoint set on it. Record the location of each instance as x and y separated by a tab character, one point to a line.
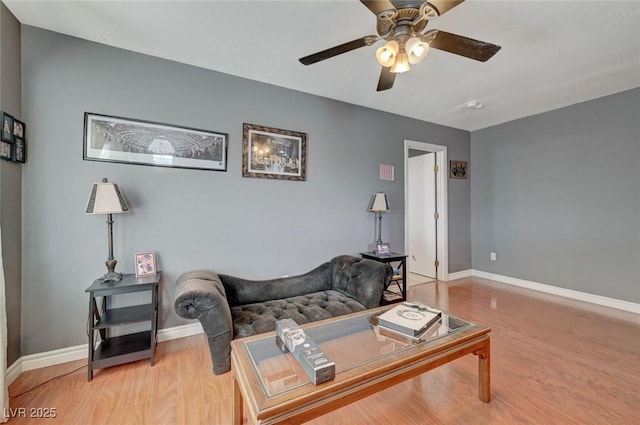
411	319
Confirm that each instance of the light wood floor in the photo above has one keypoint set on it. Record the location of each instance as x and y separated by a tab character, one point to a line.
554	361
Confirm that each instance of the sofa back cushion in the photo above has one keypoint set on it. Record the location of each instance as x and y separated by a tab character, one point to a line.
242	291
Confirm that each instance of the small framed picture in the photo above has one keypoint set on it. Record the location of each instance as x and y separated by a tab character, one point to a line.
5	150
145	264
18	128
19	152
458	169
7	128
383	249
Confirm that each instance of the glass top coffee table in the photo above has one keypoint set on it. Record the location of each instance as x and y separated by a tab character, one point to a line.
274	389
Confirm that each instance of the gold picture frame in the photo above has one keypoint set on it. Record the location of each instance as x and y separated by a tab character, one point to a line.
273	153
458	169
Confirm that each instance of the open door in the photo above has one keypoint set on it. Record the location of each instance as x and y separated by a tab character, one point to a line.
428	255
423	210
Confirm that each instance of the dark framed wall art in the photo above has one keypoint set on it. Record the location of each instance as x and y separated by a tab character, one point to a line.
7	128
131	141
5	150
19	151
273	153
458	169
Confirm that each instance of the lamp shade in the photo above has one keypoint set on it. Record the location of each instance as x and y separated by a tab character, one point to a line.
386	54
401	64
417	50
379	203
105	198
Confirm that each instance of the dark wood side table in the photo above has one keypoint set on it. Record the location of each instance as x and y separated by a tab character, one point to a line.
398	262
115	350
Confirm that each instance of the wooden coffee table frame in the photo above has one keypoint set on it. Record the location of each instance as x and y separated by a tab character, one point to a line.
307	402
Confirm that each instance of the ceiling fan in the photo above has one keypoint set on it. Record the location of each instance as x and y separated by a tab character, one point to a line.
403	23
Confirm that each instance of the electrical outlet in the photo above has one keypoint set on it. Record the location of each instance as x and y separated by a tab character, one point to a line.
492	256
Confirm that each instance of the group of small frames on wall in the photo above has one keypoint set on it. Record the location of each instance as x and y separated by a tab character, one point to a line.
12	139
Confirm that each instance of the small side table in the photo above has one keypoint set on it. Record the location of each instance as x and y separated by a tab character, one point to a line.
115	350
398	262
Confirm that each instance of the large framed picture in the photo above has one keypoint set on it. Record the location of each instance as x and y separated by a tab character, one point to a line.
145	264
116	139
273	153
7	128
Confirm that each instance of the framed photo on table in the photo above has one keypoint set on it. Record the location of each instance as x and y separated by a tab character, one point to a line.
145	263
383	249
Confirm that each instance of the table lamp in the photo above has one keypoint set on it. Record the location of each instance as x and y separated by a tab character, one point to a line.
379	205
105	198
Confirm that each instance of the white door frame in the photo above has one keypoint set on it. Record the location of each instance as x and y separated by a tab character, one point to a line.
441	195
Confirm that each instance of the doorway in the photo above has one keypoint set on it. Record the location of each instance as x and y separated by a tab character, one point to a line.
423	237
426	236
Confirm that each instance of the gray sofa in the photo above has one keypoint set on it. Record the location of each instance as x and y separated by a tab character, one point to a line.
231	307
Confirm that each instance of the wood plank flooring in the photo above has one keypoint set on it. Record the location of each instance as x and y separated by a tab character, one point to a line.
554	361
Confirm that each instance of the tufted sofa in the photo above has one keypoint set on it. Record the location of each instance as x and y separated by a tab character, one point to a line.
231	307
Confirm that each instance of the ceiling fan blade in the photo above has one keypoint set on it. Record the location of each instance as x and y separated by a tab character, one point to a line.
463	46
338	50
387	78
443	6
377	6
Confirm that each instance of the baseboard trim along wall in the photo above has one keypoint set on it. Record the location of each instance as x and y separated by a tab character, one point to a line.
563	292
79	352
459	275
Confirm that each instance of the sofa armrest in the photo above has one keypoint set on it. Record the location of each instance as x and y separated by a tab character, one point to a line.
200	295
362	279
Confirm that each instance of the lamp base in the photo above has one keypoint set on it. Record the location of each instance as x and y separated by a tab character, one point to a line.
110	277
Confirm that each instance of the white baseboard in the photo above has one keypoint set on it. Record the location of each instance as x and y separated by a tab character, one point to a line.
563	292
13	371
80	352
181	331
459	275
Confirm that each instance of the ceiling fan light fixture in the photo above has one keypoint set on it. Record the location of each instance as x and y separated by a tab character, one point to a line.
386	55
401	64
416	49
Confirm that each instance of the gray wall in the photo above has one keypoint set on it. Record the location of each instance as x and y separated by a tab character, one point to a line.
11	181
557	196
254	228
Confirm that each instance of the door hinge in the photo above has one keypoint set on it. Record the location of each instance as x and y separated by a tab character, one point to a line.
436	216
436	168
437	263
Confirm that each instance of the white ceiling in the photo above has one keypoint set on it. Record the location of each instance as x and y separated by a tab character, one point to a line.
554	53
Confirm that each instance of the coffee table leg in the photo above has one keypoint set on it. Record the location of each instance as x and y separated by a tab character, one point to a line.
484	371
237	404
